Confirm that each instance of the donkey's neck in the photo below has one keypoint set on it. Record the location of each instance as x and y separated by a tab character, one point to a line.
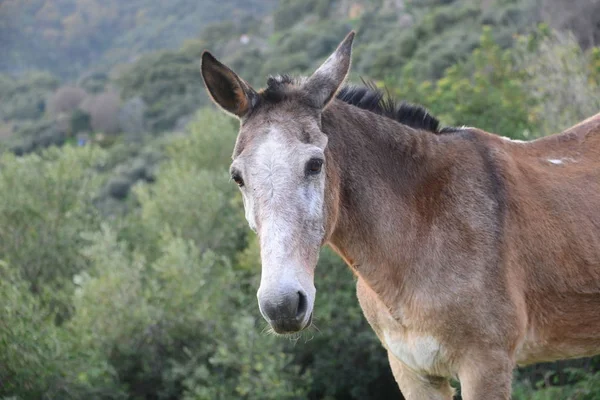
384	178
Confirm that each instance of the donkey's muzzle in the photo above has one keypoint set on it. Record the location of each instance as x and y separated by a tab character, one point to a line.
286	313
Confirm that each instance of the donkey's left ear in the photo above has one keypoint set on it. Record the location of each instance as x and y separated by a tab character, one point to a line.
328	78
226	88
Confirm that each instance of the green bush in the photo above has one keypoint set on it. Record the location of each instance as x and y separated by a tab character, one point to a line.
25	98
38	359
37	135
46	204
290	12
583	385
486	92
169	83
192	195
80	122
119	186
562	79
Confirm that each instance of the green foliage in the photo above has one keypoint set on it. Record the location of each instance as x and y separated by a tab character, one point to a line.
290	12
80	122
429	39
27	362
25	98
562	79
432	36
94	82
46	204
132	119
193	196
522	92
486	92
170	85
130	273
68	36
36	135
582	386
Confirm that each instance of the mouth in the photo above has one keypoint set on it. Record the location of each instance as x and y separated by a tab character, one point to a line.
290	326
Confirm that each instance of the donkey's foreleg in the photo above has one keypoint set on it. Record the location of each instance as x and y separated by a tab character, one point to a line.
416	387
486	375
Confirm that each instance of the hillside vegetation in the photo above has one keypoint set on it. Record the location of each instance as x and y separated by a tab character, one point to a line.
69	36
126	267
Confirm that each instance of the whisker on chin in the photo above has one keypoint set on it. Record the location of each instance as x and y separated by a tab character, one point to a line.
267	330
315	327
307	334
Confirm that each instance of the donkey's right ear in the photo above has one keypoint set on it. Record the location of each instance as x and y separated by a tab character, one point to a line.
227	90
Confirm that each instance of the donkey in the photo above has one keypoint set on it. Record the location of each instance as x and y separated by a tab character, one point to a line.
473	253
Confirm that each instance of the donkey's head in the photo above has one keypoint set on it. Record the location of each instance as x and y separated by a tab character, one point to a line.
279	164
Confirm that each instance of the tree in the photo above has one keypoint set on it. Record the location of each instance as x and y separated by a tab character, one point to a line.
47	203
103	109
65	100
563	80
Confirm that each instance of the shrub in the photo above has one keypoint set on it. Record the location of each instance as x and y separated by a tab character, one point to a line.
131	118
80	122
118	187
486	92
65	100
38	359
46	204
170	85
103	109
94	82
24	98
561	78
194	197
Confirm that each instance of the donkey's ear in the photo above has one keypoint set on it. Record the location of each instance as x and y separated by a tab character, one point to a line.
227	90
328	78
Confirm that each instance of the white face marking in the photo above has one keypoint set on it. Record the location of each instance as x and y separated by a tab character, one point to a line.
554	161
285	206
287	200
420	353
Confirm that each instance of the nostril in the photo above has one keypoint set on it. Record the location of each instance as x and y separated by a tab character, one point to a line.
302	306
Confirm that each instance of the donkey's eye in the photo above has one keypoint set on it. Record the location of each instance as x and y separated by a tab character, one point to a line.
313	166
238	179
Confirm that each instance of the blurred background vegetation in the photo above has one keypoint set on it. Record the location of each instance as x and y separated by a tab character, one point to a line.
126	268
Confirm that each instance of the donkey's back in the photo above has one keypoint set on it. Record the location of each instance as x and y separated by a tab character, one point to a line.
552	243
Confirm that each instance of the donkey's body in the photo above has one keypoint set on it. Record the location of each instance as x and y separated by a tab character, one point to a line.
469	248
473	253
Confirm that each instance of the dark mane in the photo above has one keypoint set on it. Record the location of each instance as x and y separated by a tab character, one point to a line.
368	97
